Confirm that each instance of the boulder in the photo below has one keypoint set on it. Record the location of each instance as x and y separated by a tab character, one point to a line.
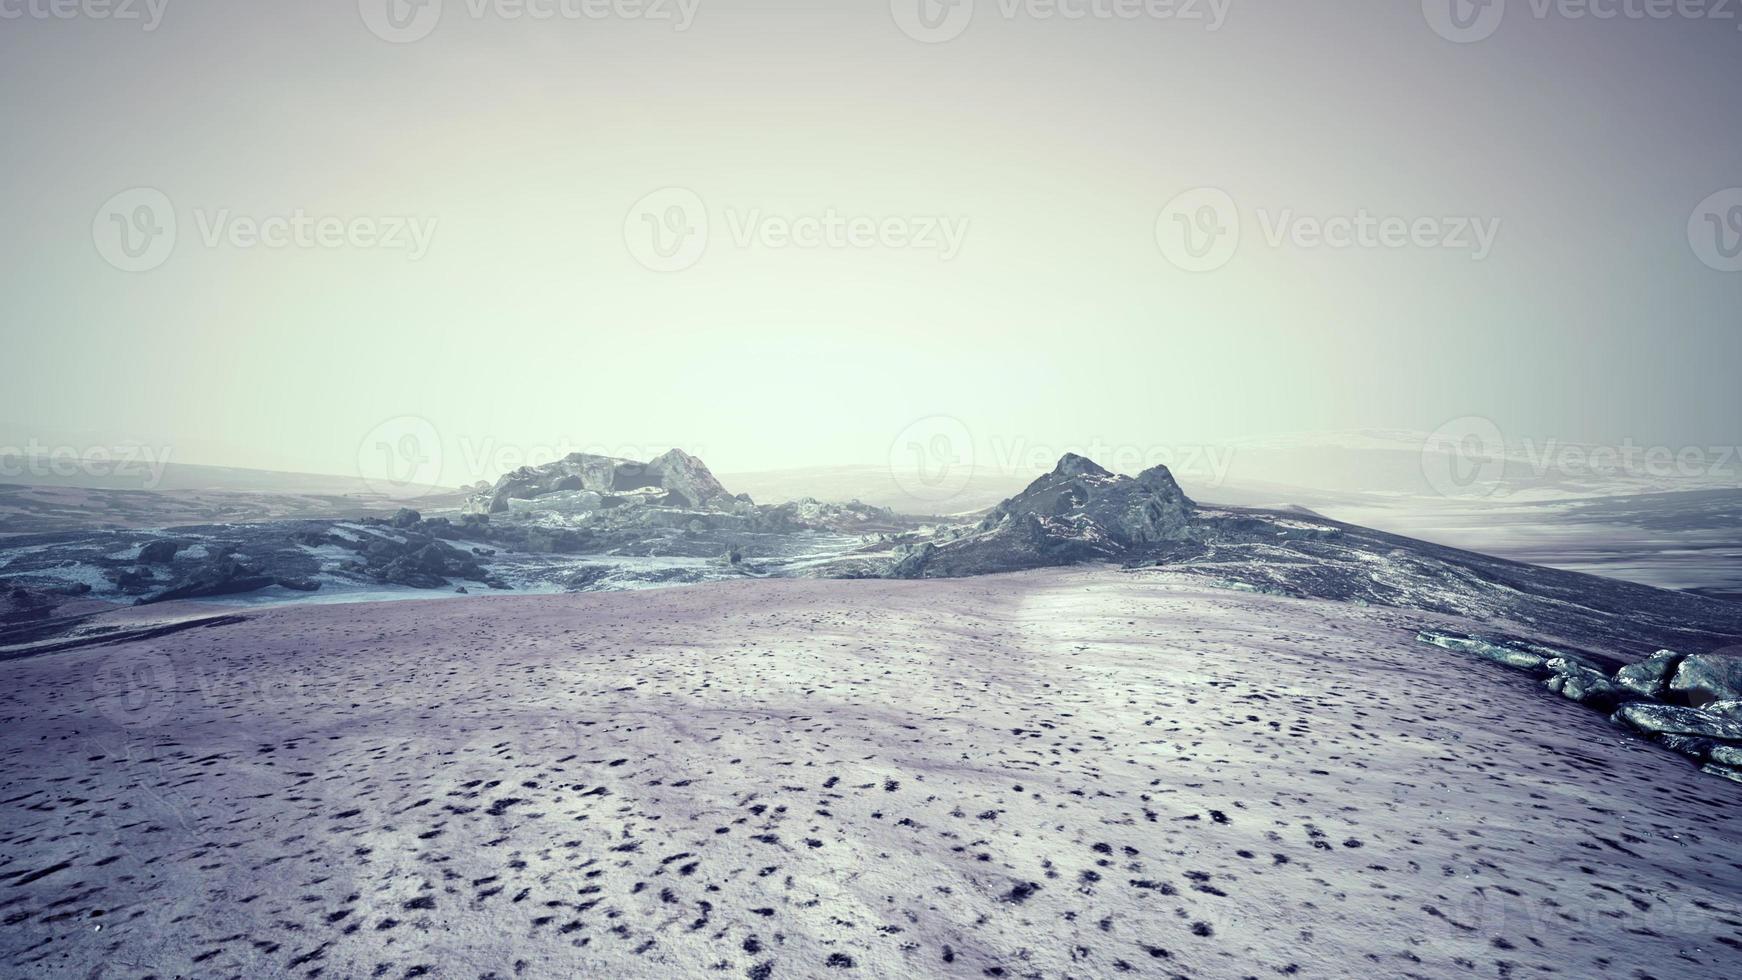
1728	755
1668	719
1706	677
685	477
406	517
1694	747
1506	656
1580	682
1649	677
219	576
159	552
21	605
1722	772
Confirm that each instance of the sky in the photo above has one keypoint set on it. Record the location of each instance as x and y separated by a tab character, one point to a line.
331	236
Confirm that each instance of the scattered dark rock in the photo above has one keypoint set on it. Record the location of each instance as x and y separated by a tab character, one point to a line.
159	552
22	605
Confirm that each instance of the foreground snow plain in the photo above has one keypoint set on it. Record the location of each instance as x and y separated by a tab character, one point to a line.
1068	773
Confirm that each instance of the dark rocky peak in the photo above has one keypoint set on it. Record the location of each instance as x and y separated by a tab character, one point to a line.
1078	512
1070	464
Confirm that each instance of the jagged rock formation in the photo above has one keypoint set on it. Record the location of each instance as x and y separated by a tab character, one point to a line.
1078	512
584	482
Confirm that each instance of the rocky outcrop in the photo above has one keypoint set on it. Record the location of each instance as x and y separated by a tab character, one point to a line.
159	552
1670	719
220	576
1078	512
1709	733
1583	683
676	479
22	605
1702	678
687	479
1649	677
1504	654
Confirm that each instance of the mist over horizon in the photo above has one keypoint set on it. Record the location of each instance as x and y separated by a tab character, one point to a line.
884	234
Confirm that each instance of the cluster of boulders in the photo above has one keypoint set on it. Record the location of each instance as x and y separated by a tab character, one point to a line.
411	552
1689	703
222	571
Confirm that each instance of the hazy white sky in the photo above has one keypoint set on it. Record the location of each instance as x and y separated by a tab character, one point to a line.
465	236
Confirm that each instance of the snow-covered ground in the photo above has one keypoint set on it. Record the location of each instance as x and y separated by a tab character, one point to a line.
1078	772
